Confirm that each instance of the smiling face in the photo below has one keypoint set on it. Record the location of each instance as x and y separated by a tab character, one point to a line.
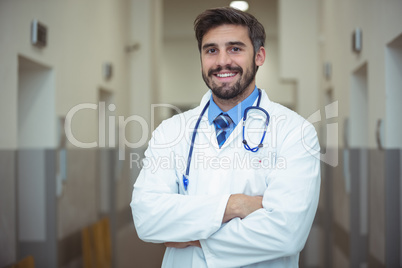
229	63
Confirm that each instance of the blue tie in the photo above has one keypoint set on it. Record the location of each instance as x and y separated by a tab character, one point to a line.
222	123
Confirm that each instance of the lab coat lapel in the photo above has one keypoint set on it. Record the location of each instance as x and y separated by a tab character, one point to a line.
207	133
211	135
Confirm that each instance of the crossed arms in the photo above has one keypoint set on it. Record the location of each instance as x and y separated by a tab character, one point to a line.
239	205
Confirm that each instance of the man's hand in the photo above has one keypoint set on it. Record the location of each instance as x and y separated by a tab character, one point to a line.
241	205
183	244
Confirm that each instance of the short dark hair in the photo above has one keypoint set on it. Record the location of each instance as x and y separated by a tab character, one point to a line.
215	17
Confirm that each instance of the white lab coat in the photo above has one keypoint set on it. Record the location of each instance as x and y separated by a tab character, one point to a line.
286	171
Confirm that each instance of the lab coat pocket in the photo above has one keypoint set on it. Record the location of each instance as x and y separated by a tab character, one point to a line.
251	174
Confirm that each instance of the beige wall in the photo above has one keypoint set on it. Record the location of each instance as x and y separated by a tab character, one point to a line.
298	51
380	23
82	35
313	32
181	72
144	62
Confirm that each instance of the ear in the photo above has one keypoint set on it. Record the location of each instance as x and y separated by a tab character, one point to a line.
260	56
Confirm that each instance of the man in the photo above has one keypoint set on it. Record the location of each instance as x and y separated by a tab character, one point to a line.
230	207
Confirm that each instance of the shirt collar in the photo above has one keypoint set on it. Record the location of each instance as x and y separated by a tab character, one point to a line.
236	113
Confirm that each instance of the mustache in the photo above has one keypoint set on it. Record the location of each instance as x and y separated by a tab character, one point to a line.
228	68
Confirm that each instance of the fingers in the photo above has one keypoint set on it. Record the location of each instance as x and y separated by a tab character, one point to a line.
182	244
241	205
176	244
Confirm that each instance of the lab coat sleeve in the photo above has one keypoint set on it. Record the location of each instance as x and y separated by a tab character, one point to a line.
282	226
160	213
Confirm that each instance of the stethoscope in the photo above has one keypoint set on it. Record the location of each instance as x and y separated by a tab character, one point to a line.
245	144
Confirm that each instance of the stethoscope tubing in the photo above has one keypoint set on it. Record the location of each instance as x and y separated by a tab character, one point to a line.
260	145
246	146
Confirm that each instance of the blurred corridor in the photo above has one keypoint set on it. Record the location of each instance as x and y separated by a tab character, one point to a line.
77	111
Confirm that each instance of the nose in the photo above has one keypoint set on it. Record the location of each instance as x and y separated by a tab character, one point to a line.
223	59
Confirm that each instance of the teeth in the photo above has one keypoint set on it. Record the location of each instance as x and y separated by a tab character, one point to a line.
226	75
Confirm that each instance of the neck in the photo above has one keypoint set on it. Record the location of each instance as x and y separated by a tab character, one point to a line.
226	105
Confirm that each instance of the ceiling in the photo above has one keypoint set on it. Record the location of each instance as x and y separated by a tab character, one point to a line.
179	15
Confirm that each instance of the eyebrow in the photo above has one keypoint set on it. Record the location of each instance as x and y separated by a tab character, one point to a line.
207	45
236	43
231	43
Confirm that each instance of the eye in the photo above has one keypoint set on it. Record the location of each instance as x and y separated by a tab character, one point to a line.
211	51
236	49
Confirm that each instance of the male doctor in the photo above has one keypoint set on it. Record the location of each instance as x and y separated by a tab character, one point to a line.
234	207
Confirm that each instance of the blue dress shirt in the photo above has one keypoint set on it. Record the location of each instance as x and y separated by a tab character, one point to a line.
236	113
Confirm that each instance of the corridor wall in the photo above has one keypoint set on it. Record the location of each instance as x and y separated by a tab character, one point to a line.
358	222
49	187
363	200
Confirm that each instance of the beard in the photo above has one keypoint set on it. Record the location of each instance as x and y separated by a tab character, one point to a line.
225	91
